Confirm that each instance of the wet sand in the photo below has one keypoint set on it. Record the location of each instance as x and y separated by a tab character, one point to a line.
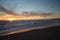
50	33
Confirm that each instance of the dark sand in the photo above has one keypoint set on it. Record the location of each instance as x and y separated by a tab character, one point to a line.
51	33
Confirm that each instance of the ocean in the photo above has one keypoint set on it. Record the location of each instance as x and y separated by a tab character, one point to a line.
7	26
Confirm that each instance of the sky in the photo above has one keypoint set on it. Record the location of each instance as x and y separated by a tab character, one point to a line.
43	6
32	5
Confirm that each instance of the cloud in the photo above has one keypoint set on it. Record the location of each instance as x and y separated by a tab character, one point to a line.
47	14
25	13
6	11
37	14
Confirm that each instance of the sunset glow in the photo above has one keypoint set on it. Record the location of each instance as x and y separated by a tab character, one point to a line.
11	19
29	10
27	18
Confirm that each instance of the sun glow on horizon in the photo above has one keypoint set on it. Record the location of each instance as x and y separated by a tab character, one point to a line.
11	19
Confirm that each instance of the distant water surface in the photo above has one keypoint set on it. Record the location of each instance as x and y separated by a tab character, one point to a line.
6	26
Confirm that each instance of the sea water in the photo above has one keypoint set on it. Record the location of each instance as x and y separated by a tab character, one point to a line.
6	26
